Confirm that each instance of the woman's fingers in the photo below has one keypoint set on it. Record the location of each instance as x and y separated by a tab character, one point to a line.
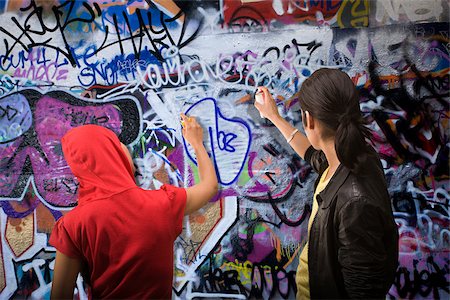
267	95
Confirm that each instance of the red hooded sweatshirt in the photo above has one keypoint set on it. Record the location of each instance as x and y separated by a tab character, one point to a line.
123	234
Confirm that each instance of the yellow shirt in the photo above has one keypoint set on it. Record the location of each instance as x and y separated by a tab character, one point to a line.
302	277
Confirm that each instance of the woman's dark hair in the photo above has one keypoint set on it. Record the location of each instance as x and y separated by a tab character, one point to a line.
330	96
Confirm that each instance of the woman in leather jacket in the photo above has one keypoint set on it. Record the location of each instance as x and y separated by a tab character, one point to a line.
352	246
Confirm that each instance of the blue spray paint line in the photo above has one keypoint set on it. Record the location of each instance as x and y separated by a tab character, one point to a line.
3	6
224	140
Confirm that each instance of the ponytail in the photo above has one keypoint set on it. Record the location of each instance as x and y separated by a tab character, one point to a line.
350	142
331	97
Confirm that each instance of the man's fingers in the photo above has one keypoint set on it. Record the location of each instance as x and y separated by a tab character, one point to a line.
188	123
187	118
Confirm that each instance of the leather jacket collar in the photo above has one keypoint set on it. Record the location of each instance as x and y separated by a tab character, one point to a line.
338	179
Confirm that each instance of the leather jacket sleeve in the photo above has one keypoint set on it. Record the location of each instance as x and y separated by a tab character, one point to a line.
361	251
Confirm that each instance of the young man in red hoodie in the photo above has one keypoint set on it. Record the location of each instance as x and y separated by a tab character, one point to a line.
120	237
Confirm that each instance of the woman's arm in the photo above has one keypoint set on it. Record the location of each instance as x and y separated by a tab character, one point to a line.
269	110
199	194
64	276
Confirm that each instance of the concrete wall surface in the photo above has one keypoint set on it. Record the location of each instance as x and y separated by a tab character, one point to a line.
135	65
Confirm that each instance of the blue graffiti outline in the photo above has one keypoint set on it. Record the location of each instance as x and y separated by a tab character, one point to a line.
218	132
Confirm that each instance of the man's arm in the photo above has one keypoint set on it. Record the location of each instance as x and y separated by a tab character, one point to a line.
199	194
64	276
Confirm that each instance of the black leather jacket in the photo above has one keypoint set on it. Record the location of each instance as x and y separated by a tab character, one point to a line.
353	241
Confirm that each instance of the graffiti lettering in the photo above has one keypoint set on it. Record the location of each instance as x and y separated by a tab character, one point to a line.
29	36
80	117
55	184
261	280
426	282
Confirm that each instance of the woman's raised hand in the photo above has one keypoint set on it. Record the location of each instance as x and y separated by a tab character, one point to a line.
267	108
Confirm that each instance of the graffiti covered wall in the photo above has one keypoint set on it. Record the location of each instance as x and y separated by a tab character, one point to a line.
134	66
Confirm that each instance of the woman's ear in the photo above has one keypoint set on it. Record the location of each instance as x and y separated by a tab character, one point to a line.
309	121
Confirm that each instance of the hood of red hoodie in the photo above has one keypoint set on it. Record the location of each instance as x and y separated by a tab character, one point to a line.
95	156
